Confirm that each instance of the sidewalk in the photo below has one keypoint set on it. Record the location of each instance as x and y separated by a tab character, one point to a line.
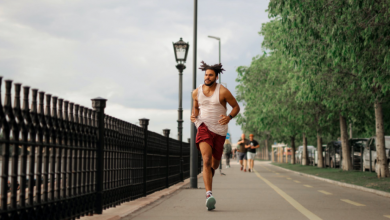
239	196
269	193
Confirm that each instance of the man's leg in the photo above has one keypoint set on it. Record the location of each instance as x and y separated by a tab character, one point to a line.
206	151
253	163
245	164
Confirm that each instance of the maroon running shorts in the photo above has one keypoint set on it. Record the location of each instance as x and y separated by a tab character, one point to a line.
214	140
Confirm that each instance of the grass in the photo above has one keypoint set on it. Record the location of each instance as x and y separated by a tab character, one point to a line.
366	179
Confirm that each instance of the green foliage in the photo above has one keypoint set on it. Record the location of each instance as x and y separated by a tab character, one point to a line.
326	58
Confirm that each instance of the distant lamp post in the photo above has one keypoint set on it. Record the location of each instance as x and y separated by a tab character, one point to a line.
181	50
219	40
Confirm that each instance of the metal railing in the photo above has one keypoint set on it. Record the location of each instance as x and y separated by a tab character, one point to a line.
60	160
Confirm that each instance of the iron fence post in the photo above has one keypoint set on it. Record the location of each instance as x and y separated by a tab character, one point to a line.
166	134
144	122
98	104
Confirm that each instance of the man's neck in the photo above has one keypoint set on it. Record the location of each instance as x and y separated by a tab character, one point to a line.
212	87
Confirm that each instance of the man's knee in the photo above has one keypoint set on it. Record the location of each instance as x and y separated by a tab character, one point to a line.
207	162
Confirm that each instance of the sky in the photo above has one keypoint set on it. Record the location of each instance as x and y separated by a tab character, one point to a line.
122	50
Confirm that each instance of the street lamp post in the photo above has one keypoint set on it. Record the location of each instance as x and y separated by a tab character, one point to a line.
219	40
181	50
193	149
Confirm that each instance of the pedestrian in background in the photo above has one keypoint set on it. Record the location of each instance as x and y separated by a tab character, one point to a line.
251	152
242	143
237	153
227	150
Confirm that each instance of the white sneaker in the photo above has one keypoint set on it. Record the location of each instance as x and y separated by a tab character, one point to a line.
210	202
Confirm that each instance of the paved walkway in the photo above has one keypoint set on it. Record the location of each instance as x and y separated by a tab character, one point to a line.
268	193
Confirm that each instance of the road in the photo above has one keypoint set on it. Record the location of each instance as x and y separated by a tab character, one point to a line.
268	193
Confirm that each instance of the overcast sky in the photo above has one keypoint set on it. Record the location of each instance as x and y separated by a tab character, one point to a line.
122	50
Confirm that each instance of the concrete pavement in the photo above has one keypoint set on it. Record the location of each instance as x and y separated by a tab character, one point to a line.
268	193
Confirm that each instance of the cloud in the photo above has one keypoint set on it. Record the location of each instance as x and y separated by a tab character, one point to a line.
122	50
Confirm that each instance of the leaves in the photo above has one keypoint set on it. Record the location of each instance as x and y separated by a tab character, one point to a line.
323	58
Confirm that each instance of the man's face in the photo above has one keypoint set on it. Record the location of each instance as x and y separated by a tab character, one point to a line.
210	77
243	136
251	137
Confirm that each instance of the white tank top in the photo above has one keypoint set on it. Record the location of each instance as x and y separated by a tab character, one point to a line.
210	110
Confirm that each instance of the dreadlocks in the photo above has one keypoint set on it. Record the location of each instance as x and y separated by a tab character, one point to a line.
217	68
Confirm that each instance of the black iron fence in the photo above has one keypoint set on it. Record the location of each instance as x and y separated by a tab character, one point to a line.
60	160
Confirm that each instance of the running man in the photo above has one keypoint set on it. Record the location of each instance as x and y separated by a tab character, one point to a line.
209	116
251	153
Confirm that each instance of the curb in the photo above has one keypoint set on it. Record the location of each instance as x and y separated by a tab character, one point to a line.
125	209
347	185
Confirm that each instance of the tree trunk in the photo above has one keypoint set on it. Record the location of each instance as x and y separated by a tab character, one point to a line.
304	152
346	150
381	168
320	159
292	150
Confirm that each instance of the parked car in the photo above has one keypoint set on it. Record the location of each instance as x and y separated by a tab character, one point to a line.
332	154
371	146
310	154
357	145
316	155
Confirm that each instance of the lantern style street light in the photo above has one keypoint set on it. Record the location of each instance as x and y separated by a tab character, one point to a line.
181	50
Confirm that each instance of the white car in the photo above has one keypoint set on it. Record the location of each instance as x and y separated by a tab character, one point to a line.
371	144
299	152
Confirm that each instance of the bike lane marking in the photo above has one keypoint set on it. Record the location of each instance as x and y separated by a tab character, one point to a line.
290	200
352	202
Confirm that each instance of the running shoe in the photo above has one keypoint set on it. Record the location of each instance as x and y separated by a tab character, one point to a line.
244	170
210	202
241	168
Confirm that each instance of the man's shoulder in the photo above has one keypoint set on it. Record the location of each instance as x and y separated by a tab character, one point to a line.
223	90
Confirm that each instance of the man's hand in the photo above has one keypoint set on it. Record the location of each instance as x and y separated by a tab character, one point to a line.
193	118
224	119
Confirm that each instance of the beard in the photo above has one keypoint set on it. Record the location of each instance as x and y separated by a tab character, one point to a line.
210	84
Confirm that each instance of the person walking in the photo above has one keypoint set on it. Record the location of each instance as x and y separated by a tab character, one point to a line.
227	151
241	145
209	116
251	152
237	153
